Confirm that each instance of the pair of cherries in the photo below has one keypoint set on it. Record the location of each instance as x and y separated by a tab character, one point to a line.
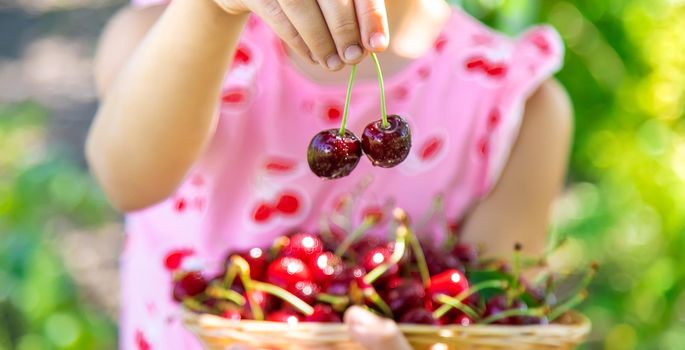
335	153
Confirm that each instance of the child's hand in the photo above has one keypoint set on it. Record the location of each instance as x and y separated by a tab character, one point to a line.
331	32
373	332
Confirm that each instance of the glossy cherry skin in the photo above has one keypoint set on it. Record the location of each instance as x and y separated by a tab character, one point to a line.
286	271
378	256
189	285
498	304
306	290
387	147
323	313
463	320
265	301
450	283
256	259
232	314
340	285
405	295
303	246
332	156
419	315
285	316
325	267
363	245
439	261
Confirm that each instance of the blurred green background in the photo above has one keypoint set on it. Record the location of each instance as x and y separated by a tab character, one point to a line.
624	205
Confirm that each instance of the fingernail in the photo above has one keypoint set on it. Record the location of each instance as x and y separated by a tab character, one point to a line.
353	52
333	62
378	41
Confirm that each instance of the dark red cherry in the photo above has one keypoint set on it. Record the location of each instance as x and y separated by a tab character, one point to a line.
256	258
499	304
303	246
466	253
405	295
265	301
333	156
189	285
439	260
377	256
286	271
387	147
307	291
325	267
419	315
363	245
450	283
285	316
340	285
323	313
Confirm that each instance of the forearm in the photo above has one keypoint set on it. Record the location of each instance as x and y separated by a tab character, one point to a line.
159	114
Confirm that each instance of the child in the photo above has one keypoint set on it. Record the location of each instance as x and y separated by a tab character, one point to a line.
206	117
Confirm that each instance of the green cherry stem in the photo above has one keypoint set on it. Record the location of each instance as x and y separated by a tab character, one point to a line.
244	268
218	292
338	302
384	113
540	311
343	124
456	304
420	259
355	235
397	254
496	284
283	294
567	305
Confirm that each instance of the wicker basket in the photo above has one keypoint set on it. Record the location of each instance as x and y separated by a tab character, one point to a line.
218	333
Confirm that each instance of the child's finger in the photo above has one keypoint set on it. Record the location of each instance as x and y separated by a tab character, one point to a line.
373	332
373	22
342	23
270	11
306	16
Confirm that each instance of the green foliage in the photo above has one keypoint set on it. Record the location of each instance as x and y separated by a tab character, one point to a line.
40	307
625	71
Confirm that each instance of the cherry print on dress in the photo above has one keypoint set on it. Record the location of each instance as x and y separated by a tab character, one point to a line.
494	119
483	39
174	259
333	113
141	342
424	72
431	148
243	55
286	204
481	64
400	93
235	96
375	212
279	166
440	43
180	204
541	42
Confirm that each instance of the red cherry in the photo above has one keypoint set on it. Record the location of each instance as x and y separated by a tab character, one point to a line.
325	267
303	246
286	271
419	315
377	256
288	204
232	314
262	213
463	320
256	259
284	316
340	284
323	313
387	147
362	246
450	283
189	285
332	156
404	295
307	291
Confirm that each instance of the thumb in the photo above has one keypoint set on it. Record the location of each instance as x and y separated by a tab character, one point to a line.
373	332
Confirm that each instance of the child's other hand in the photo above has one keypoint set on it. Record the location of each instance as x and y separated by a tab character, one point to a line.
330	32
373	332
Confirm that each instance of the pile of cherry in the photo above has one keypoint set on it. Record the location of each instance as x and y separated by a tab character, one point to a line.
334	153
315	277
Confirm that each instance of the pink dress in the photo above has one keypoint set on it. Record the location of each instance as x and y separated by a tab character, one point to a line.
463	100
